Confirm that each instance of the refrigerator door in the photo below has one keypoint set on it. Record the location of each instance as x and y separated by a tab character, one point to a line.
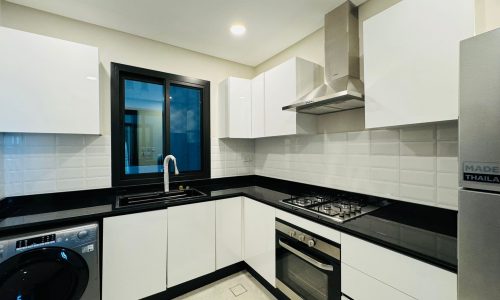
479	121
478	245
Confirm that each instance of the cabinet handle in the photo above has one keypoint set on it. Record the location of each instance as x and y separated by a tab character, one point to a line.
305	257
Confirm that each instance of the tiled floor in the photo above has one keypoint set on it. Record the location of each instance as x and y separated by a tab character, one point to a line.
240	286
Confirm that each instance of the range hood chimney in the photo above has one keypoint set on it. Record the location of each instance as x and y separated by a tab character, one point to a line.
342	90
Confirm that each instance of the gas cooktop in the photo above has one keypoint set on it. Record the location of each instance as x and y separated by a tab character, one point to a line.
338	208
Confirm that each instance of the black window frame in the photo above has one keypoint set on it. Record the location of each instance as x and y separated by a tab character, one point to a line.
120	72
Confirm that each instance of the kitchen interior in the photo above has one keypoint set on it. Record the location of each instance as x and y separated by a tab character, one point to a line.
327	149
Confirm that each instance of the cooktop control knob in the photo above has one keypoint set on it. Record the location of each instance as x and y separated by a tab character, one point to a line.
311	243
82	234
291	233
301	237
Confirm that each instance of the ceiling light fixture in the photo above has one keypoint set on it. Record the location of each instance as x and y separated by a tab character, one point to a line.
238	29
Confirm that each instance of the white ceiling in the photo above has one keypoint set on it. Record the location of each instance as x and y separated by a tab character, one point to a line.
203	25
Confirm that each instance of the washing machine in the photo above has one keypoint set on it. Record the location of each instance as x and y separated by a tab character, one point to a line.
58	264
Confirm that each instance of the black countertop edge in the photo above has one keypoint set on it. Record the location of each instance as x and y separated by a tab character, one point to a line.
215	189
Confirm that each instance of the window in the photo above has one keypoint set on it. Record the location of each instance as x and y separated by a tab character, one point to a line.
155	114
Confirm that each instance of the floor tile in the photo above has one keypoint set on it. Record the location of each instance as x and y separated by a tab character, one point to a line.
239	286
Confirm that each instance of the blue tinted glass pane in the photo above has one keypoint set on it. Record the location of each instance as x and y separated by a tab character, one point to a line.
143	127
185	127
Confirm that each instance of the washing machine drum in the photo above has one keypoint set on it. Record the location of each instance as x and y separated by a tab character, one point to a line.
45	273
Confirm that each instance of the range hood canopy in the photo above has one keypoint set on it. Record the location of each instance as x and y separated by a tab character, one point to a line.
342	89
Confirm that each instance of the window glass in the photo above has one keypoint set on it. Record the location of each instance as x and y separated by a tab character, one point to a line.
143	127
185	127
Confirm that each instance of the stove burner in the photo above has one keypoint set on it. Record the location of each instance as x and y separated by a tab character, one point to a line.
338	208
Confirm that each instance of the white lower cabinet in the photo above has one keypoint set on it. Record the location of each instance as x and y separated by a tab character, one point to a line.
191	242
360	286
259	238
134	257
229	231
410	276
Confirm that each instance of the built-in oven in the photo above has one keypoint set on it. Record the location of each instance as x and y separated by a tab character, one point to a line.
307	266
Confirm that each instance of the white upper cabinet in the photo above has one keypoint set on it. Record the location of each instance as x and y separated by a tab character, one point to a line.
47	85
284	84
235	105
258	106
411	61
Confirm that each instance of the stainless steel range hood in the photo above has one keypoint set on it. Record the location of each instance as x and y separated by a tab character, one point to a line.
342	89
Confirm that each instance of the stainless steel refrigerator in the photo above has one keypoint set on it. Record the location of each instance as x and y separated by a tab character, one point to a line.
479	168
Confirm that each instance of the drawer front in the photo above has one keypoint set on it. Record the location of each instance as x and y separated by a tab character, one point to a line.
415	278
360	286
318	229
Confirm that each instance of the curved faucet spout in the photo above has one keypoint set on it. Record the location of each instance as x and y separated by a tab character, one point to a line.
166	181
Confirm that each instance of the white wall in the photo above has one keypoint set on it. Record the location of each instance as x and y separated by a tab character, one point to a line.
415	163
37	163
487	15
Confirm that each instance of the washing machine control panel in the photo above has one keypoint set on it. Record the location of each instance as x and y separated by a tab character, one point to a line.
82	239
36	241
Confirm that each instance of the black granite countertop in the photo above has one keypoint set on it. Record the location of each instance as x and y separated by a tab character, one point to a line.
425	233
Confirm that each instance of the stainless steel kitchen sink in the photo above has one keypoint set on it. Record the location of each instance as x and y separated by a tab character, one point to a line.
156	197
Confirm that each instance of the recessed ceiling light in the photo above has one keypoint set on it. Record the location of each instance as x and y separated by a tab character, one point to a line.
238	29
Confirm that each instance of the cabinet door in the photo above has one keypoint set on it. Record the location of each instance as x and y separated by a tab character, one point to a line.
258	106
372	288
415	278
411	61
259	241
191	242
240	108
228	228
134	263
280	90
47	85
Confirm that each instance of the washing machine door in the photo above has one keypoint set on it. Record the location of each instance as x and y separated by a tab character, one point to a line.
45	273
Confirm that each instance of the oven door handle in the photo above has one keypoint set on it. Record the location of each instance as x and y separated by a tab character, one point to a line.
305	257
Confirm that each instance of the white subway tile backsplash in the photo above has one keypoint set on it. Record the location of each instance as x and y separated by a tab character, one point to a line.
70	140
384	148
415	163
418	163
98	172
384	161
420	133
447	164
38	175
447	180
98	182
37	163
382	174
418	178
417	149
71	184
384	135
68	161
447	149
447	198
42	186
416	193
405	163
41	163
359	137
447	131
31	139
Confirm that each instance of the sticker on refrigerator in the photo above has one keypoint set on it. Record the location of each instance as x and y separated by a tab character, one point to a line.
481	172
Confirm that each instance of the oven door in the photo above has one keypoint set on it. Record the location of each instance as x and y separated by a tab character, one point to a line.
305	273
